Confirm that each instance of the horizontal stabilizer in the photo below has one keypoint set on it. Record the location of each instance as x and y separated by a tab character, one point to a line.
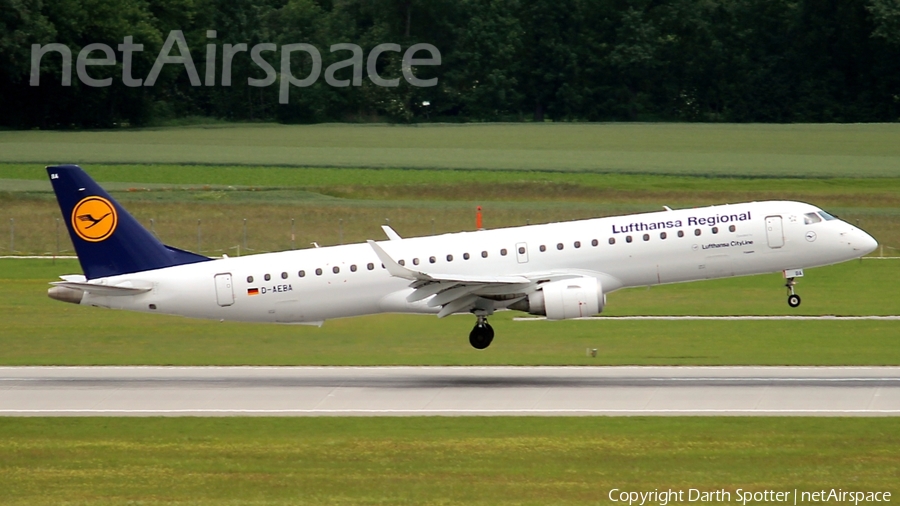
103	290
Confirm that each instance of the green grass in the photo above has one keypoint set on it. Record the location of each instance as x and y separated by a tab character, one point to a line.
433	460
849	169
330	206
41	331
177	176
869	150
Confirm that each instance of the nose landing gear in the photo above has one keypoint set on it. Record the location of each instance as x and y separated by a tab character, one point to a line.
482	334
793	298
790	277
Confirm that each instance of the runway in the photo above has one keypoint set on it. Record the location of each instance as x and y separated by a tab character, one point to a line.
449	391
725	318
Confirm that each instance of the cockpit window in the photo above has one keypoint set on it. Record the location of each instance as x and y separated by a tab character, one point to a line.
810	218
826	216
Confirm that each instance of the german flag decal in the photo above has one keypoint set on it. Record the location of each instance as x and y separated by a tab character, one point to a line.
253	291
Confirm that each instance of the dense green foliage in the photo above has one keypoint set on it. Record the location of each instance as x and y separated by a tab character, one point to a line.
565	60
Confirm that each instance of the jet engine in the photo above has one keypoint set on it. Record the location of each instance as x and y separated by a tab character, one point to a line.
569	298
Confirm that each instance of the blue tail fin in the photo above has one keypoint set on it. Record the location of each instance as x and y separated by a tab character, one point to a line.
107	239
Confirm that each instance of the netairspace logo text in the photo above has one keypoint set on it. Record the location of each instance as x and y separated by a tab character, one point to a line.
231	51
745	497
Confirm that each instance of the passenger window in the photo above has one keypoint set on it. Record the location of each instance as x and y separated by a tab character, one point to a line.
559	246
415	261
521	250
732	228
646	237
449	258
715	230
465	256
595	242
681	233
318	272
577	244
336	269
628	238
810	218
283	275
696	231
401	262
432	260
612	240
484	254
370	266
503	252
662	235
268	277
301	274
249	279
353	268
543	248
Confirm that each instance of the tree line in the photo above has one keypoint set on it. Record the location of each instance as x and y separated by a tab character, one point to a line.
500	60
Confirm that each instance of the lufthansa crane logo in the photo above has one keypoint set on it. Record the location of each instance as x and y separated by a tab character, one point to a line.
94	219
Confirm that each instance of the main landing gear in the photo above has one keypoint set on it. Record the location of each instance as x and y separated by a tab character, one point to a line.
482	334
793	298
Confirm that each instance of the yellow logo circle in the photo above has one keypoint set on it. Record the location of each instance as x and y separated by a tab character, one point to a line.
94	219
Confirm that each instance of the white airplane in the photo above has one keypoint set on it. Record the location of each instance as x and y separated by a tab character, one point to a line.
560	270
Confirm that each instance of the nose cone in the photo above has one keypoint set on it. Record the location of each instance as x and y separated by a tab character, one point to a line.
863	243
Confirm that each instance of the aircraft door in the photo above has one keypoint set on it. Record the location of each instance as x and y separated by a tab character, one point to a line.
224	289
522	253
774	231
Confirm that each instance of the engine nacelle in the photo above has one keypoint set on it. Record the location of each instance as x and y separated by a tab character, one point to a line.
569	298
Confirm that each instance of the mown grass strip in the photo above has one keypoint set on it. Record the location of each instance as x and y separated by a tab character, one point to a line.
41	331
433	460
698	149
177	176
330	206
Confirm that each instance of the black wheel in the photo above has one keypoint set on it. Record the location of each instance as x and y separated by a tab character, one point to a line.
794	300
481	336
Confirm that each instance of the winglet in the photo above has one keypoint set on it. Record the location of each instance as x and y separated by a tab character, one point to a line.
393	267
392	235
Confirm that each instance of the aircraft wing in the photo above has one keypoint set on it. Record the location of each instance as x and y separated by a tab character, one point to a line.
400	271
463	293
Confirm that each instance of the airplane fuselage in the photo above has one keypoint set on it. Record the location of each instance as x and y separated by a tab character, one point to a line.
312	285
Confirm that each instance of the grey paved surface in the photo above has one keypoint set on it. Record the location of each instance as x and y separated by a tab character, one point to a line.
830	318
449	391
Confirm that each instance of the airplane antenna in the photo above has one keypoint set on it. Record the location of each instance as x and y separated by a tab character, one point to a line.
667	208
478	219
